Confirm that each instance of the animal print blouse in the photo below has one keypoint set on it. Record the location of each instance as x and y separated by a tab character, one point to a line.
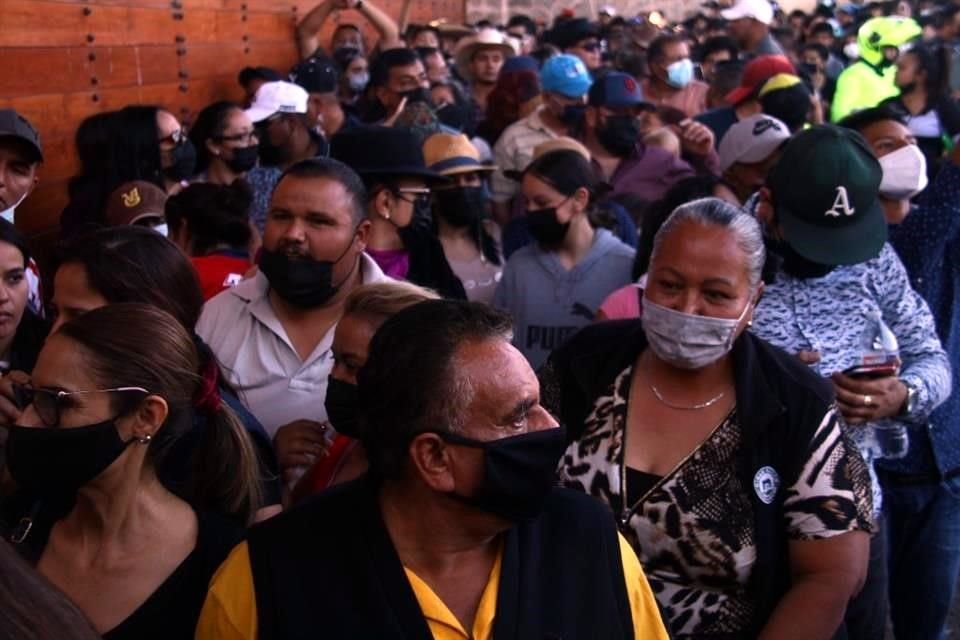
694	529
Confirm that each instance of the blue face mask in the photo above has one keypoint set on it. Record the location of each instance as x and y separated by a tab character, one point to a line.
680	73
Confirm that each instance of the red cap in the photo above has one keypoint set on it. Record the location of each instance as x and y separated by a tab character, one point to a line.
758	71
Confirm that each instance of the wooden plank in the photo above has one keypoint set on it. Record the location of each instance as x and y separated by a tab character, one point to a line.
41	211
209	61
28	22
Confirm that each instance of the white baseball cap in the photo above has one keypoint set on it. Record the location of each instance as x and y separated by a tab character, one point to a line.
759	10
752	140
277	97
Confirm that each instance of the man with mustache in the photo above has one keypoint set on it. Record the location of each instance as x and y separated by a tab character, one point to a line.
272	333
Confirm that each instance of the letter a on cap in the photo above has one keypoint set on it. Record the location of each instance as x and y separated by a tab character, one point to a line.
841	204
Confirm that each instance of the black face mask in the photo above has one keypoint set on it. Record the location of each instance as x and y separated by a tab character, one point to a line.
619	135
572	114
55	462
271	155
304	283
184	158
417	95
519	472
544	227
794	264
341	403
244	159
461	207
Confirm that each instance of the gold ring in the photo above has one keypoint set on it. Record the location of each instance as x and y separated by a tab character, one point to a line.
867	401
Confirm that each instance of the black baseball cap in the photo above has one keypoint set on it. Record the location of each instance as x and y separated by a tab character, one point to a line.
825	193
14	125
315	75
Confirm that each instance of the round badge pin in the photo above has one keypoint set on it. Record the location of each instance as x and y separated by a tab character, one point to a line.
766	482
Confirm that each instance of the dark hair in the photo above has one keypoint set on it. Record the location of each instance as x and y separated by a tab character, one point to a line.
424	338
860	120
524	21
822	27
210	125
136	264
249	74
566	171
344	56
934	61
416	29
115	148
10	235
790	105
337	171
34	609
140	345
720	43
387	60
214	214
426	52
684	191
822	52
656	49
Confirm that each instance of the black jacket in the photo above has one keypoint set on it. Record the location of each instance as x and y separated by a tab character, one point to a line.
328	569
428	263
780	405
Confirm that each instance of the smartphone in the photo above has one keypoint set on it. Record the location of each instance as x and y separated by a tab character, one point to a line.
871	371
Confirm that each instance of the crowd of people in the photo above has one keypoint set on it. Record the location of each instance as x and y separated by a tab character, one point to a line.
610	327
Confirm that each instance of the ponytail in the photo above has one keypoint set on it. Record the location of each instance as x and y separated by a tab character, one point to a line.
226	474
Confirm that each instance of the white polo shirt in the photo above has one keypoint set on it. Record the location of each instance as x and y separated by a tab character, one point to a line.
258	358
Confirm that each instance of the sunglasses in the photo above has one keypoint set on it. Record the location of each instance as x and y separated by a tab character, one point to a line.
175	138
590	46
421	197
49	403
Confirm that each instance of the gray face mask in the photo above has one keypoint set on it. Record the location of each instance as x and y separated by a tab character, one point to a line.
685	340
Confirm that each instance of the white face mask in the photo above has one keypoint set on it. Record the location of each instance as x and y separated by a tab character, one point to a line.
8	214
904	173
852	50
162	230
685	340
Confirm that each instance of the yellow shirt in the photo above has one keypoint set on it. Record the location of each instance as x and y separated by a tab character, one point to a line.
230	612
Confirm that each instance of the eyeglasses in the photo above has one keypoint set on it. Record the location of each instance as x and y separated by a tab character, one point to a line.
421	197
248	137
175	138
49	403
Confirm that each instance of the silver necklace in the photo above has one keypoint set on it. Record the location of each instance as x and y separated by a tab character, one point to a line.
694	407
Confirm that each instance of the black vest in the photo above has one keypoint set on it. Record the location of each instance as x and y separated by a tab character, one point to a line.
328	569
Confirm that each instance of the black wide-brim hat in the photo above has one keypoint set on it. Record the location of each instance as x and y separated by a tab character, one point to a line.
383	151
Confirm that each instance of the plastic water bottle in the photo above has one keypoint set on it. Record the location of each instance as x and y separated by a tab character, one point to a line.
879	348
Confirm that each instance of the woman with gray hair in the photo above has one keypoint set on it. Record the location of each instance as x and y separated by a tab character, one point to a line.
719	454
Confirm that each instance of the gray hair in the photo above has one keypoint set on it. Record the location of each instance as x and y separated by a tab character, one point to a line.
718	213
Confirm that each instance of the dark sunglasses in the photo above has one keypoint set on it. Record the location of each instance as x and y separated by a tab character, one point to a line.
421	197
590	46
177	137
49	403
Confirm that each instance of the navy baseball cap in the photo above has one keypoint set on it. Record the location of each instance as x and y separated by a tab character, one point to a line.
616	89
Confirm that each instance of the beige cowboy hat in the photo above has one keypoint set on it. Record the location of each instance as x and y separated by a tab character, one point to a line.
484	39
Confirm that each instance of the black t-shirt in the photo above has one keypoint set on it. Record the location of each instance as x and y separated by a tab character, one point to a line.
171	612
719	121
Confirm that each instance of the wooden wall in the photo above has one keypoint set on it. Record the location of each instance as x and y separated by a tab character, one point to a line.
63	60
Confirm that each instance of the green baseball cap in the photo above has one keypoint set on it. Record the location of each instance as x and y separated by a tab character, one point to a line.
824	191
